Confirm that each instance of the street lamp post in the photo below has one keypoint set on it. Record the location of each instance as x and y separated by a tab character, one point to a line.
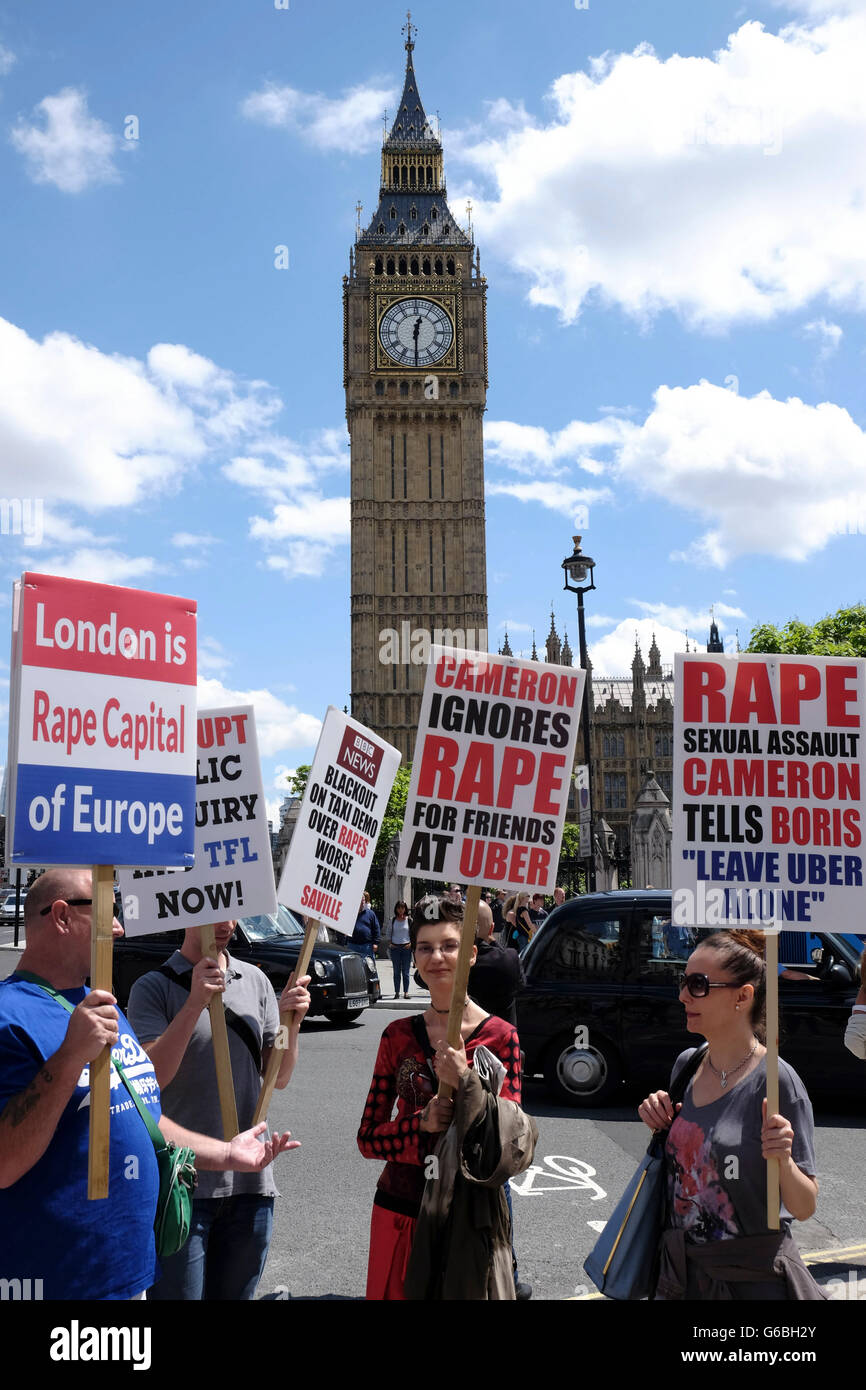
579	568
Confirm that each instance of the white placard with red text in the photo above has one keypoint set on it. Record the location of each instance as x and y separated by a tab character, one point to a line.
492	770
233	875
333	842
768	797
102	725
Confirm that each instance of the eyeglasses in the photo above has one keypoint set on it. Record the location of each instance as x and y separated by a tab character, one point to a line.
70	902
424	951
699	986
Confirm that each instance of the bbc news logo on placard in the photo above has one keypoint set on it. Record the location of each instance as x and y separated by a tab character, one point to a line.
360	756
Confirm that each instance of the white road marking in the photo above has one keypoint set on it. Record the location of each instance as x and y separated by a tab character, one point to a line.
562	1174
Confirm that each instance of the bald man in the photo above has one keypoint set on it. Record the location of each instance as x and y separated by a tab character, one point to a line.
497	974
50	1231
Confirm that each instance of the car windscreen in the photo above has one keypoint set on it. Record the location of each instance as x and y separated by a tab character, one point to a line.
278	926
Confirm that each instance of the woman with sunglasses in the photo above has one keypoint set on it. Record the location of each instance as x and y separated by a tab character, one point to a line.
413	1058
716	1242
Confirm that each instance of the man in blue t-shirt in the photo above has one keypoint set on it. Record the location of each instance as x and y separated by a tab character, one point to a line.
50	1231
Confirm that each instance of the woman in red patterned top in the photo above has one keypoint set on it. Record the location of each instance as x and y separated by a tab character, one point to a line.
413	1058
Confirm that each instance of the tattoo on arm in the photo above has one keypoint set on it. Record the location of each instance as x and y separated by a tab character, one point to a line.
20	1106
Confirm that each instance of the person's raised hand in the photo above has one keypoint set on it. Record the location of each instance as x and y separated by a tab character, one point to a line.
777	1135
93	1025
437	1115
658	1111
450	1063
295	999
206	983
248	1154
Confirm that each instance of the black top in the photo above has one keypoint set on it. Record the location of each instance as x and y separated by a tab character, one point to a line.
494	980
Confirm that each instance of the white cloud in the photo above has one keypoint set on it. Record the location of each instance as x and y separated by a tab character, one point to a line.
186	540
557	497
305	526
65	145
98	430
534	449
681	617
773	477
599	620
725	189
351	123
212	657
99	566
735	461
828	335
613	654
278	725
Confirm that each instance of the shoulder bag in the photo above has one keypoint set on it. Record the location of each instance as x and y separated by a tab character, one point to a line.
624	1260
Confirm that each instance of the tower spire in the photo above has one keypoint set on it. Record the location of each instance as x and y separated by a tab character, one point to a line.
409	29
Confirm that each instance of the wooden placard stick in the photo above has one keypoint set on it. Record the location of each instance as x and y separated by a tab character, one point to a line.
772	957
101	956
461	978
222	1057
273	1067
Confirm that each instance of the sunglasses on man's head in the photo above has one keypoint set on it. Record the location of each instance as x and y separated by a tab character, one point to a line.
70	902
699	986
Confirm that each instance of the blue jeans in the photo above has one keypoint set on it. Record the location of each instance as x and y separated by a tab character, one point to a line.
362	948
401	957
224	1257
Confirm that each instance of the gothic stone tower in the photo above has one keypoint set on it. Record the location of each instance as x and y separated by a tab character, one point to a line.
415	374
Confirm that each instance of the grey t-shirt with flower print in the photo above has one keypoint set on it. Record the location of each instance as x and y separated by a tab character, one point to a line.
717	1178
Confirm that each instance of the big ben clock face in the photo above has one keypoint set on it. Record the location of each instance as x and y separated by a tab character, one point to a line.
416	332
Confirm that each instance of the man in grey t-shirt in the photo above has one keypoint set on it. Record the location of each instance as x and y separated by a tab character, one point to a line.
232	1212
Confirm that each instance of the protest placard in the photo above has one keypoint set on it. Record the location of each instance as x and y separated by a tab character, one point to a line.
492	769
101	767
331	850
768	800
490	782
767	806
102	719
233	875
346	795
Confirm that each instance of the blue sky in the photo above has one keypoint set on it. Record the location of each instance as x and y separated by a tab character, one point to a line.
670	203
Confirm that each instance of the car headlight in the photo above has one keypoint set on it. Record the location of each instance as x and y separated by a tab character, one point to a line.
370	964
319	969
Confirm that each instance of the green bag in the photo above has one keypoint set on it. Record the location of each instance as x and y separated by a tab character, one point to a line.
177	1175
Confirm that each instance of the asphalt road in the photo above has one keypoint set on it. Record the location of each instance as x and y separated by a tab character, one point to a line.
583	1162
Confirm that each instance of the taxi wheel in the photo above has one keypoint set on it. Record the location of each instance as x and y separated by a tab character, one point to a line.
582	1075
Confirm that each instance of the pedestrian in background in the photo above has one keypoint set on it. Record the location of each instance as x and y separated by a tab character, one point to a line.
401	950
365	937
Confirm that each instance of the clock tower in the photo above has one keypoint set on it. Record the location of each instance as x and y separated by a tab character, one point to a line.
415	374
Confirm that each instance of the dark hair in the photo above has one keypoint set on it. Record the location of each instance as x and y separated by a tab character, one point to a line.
440	910
400	904
741	952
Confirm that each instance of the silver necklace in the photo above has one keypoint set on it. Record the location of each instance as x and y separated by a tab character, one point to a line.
730	1071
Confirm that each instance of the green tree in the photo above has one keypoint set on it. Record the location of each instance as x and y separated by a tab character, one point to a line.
570	840
392	821
842	633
